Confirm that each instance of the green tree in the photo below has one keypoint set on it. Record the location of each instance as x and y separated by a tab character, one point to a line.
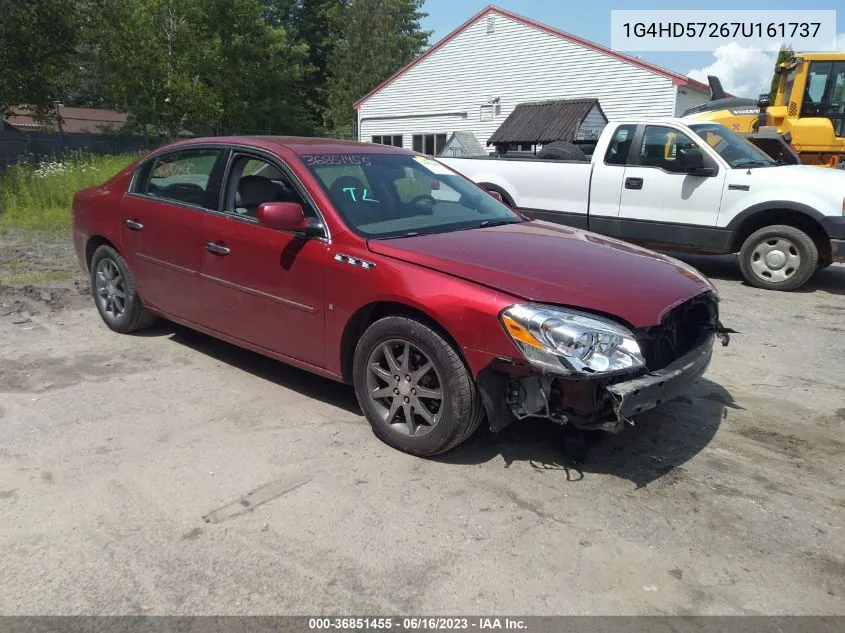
372	40
784	55
37	48
260	79
158	60
313	27
201	65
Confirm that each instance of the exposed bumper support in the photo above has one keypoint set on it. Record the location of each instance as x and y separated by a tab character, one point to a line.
647	392
837	251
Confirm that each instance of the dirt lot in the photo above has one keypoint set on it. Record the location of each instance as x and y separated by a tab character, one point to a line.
170	473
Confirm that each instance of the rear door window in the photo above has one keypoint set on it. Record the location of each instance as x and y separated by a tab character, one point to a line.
620	145
184	177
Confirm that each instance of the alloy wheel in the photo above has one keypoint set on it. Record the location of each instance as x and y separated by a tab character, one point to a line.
405	387
110	288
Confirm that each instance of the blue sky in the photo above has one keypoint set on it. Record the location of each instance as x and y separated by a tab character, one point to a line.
739	69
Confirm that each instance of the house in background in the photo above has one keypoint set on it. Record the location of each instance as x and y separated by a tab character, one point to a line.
472	79
72	121
87	130
461	144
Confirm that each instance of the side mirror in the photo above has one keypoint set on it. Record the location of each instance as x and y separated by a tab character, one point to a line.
691	160
496	195
287	216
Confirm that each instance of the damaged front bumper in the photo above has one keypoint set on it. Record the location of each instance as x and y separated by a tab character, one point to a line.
655	388
593	403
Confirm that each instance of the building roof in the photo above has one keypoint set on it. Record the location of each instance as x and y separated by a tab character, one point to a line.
677	79
544	121
91	120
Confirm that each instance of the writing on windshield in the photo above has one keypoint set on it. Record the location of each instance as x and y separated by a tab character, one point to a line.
402	195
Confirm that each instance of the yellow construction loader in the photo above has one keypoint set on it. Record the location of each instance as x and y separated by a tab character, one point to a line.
806	122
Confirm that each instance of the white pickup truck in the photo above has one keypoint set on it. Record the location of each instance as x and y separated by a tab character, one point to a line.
685	187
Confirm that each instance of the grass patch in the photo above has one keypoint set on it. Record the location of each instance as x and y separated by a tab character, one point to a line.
31	279
39	195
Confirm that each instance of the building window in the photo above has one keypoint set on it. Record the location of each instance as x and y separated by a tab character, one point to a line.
386	139
491	24
431	144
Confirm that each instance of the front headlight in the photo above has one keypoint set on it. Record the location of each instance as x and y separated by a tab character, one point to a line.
570	342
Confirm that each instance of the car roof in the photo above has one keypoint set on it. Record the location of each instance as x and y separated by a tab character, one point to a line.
297	144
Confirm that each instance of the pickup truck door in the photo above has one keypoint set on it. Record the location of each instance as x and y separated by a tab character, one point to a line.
662	204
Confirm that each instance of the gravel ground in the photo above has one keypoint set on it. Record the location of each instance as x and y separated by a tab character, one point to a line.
170	473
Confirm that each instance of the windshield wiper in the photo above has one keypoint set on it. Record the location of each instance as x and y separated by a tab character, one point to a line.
754	163
406	234
482	225
488	223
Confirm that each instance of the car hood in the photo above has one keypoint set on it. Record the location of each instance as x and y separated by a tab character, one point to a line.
549	263
810	177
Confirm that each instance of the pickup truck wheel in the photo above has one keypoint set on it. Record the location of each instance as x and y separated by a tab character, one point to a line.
413	387
115	294
778	257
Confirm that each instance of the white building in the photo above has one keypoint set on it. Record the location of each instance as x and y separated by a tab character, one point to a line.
475	76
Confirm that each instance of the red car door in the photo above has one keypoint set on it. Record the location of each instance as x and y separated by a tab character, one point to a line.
261	285
162	230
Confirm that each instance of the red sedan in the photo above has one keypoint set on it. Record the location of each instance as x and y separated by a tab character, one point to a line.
383	268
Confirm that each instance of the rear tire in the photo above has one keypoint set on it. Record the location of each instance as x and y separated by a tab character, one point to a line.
778	257
115	294
561	150
448	413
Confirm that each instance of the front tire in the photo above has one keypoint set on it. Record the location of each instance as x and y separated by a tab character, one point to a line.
414	388
778	257
115	293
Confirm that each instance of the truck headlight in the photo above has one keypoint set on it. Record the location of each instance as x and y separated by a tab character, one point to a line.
570	342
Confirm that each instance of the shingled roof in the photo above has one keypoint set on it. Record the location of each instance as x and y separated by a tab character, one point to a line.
90	120
544	121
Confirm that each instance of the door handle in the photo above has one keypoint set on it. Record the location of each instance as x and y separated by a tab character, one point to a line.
217	249
633	183
133	225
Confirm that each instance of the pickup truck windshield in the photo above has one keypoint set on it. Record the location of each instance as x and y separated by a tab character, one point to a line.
733	148
394	195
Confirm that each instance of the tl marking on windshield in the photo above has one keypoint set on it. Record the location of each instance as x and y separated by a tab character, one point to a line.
364	198
354	261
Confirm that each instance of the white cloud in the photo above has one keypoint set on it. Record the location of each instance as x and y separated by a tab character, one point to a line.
744	72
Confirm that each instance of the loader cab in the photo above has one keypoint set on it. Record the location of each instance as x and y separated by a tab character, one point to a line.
810	106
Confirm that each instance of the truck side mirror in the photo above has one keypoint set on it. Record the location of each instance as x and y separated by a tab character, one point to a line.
691	160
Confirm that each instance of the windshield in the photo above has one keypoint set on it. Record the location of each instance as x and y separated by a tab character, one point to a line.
392	195
733	148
